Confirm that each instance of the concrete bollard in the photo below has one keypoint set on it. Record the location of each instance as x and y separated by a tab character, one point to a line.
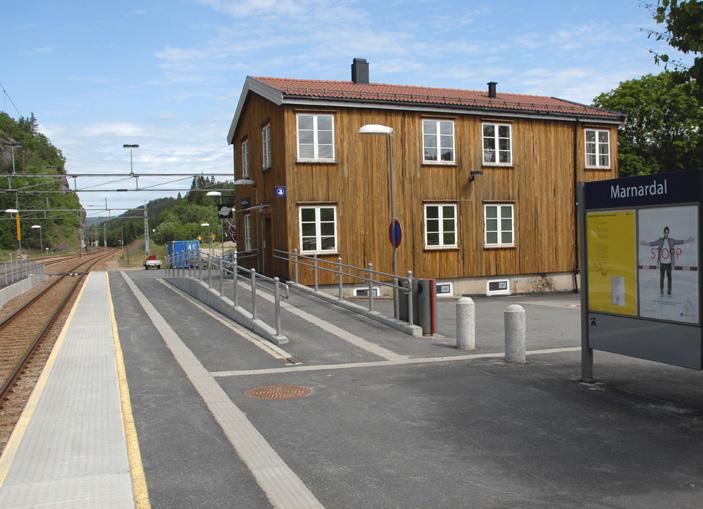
514	316
466	324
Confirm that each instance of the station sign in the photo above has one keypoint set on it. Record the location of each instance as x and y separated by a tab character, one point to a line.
641	288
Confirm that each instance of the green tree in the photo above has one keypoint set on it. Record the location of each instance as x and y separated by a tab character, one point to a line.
664	123
683	22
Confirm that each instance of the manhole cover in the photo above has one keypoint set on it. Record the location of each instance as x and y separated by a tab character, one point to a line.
278	392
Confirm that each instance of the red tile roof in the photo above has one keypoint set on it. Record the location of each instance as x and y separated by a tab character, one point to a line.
442	97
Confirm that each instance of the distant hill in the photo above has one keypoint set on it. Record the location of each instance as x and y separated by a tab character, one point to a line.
171	218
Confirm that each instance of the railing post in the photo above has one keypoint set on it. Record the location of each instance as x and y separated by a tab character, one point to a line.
315	276
370	278
222	275
209	271
411	307
235	272
4	269
200	265
12	270
188	270
396	309
295	264
253	294
339	276
277	305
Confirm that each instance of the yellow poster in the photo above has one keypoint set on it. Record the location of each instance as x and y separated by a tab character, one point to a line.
612	261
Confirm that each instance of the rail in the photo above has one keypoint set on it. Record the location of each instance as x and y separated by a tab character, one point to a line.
186	264
366	274
9	381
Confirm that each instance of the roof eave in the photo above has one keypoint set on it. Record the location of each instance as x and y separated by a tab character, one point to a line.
617	118
252	85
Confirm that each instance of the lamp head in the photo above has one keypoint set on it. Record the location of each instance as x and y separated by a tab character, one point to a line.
375	129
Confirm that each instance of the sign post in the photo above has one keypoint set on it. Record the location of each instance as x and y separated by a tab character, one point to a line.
640	268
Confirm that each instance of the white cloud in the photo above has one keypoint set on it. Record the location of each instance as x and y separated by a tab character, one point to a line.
104	129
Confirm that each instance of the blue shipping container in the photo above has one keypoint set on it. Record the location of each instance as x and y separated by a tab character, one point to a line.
180	251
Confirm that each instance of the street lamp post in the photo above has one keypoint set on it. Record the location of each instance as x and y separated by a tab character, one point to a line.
218	194
259	252
41	240
17	222
209	237
130	146
388	131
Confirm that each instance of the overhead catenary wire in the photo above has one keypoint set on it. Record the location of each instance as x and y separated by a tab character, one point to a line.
10	98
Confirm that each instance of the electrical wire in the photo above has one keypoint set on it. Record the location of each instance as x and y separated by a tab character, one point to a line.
10	98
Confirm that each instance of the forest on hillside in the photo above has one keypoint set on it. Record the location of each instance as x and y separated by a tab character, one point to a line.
35	154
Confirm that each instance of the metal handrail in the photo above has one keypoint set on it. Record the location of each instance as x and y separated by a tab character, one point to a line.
257	280
368	278
276	253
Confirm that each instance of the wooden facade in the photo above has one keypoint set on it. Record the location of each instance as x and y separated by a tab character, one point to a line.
548	159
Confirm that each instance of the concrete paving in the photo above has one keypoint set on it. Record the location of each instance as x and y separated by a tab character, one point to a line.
461	433
69	449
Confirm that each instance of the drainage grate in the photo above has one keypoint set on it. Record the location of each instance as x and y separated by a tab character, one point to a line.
274	392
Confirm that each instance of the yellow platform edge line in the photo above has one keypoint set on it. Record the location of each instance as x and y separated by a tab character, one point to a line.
140	491
8	455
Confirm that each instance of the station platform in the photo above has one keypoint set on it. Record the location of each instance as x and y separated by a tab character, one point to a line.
376	418
70	447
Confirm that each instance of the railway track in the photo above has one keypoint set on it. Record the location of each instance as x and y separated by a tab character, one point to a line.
22	332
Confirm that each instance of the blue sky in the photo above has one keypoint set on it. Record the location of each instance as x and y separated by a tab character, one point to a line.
167	74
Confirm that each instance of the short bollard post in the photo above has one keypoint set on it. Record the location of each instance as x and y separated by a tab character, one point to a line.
235	271
339	276
514	316
253	294
295	264
315	276
277	305
370	278
222	276
466	324
411	310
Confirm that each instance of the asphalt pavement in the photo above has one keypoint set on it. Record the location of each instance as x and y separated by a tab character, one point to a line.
375	433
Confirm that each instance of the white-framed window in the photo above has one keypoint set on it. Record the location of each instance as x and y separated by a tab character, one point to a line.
499	225
318	228
440	225
266	147
438	141
234	159
245	159
497	144
247	232
315	137
597	148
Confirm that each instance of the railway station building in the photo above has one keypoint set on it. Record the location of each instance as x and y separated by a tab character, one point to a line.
485	181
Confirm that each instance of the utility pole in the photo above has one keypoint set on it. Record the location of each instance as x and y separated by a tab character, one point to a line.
104	234
146	232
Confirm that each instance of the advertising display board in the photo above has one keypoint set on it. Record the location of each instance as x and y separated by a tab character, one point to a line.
640	259
668	263
612	262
